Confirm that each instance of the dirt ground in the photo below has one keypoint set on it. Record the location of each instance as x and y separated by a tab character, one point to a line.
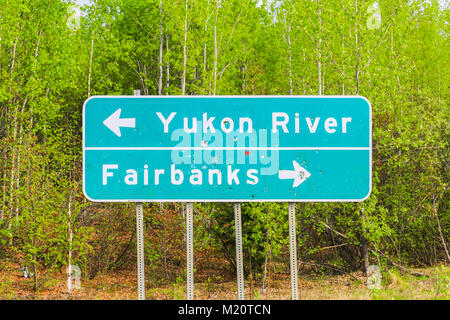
122	285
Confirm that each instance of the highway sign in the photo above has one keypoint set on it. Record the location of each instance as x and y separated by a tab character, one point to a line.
227	148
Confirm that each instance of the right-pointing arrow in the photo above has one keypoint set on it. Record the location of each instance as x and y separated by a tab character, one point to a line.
299	174
113	122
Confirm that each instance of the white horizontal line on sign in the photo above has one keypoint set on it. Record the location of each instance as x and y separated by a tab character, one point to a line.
227	148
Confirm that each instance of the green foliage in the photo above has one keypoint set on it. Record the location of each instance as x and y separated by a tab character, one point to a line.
6	291
199	47
264	230
442	283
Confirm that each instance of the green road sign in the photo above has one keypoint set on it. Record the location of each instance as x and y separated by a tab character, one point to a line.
227	148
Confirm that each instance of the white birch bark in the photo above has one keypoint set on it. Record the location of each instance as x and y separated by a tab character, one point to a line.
291	89
167	65
91	56
160	58
13	151
90	65
215	52
70	231
183	78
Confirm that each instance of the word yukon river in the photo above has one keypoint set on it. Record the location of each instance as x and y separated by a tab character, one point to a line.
233	148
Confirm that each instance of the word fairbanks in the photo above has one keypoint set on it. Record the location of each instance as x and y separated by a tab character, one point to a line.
177	176
280	121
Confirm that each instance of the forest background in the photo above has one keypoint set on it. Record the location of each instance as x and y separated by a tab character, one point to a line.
54	55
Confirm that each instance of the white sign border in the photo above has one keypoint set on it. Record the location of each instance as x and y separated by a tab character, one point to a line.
230	200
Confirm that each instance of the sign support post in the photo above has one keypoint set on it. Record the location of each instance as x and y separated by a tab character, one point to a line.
140	250
140	242
293	250
190	249
239	260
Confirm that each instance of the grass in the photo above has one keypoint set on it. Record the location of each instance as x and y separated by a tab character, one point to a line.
122	285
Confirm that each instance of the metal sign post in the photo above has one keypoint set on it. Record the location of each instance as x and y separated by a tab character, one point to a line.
190	249
293	251
239	257
140	242
140	250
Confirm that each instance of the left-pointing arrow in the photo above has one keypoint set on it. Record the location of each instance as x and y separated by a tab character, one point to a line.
114	123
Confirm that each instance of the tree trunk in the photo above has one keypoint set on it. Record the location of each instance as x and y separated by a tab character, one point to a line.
91	56
70	231
160	59
13	62
183	78
357	50
441	235
35	270
291	89
2	216
13	142
0	49
364	244
12	175
90	65
204	43
167	66
20	135
215	52
319	67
